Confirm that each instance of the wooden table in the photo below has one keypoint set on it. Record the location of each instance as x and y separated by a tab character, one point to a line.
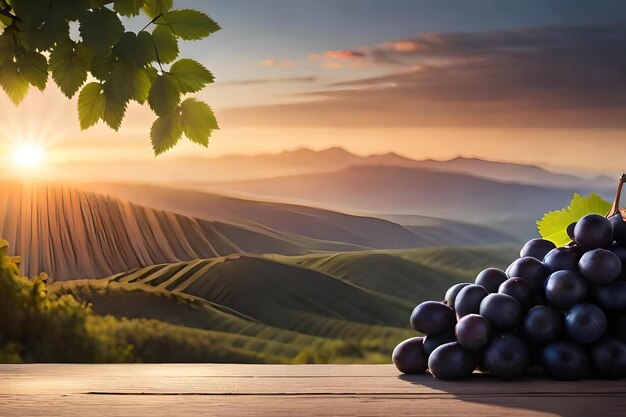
276	390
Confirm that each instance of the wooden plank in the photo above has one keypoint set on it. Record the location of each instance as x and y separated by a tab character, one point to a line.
344	390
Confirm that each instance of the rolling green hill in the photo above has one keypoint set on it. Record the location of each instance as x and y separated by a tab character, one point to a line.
345	307
277	294
411	275
289	321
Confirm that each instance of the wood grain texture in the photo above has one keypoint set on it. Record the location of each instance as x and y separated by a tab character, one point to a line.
308	390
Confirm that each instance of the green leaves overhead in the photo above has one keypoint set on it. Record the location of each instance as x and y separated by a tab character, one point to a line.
166	132
6	46
189	24
154	8
91	104
190	75
198	121
128	7
129	82
164	96
114	107
136	49
165	43
121	65
42	32
100	29
69	69
34	67
553	226
14	84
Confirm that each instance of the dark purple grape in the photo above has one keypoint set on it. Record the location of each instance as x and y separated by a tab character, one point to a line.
452	362
432	342
570	230
537	248
564	289
609	358
473	332
503	311
507	357
619	229
541	300
565	360
562	259
491	278
600	266
543	325
409	356
612	296
520	289
453	291
620	251
468	300
585	323
432	317
593	231
618	326
530	269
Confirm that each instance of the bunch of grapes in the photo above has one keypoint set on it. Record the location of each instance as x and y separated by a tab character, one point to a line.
562	310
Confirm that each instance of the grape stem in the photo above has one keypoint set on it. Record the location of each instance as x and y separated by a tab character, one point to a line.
615	209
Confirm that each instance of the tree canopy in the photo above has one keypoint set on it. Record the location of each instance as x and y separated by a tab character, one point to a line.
107	65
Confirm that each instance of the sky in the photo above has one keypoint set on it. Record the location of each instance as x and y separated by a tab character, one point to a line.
533	81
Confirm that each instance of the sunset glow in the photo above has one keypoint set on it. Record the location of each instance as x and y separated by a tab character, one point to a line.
29	155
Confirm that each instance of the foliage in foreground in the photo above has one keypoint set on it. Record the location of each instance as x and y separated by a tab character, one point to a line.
39	325
108	64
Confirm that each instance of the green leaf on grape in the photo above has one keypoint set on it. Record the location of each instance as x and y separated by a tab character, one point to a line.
553	226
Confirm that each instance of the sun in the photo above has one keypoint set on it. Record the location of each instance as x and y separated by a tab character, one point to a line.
29	155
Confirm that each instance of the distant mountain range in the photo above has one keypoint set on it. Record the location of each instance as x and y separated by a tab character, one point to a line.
71	233
401	190
376	231
306	161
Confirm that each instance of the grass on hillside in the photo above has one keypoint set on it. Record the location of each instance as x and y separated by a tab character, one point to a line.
411	276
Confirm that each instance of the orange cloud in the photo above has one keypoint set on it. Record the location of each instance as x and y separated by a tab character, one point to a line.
406	46
277	63
509	78
339	59
344	54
